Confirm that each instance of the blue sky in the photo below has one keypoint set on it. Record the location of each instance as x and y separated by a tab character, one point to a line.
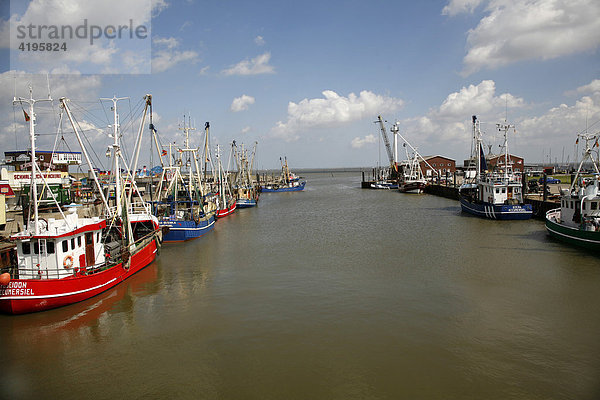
307	79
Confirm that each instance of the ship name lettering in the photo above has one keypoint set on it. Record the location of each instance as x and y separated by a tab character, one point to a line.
16	288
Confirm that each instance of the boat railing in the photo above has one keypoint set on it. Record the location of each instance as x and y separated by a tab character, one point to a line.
135	208
57	272
139	208
554	215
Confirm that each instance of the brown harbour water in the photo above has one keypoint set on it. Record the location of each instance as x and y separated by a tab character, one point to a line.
331	293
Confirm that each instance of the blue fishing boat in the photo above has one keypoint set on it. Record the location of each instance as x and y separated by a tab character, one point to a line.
290	187
183	210
287	182
181	229
497	194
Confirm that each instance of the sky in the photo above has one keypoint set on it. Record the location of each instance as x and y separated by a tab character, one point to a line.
307	79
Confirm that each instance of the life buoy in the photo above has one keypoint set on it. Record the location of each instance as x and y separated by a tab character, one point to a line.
68	262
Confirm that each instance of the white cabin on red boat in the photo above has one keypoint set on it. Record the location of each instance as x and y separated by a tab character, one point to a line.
62	248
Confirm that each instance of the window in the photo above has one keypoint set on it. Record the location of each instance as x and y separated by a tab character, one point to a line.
78	241
98	237
503	190
497	190
449	164
434	164
583	206
593	205
50	247
36	247
65	246
26	248
73	244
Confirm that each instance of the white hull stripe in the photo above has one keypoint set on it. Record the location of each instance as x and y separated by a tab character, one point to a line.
490	213
573	237
56	295
191	229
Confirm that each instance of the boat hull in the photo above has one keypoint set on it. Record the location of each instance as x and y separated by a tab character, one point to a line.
571	235
497	211
183	230
412	187
22	296
386	185
226	211
245	203
285	189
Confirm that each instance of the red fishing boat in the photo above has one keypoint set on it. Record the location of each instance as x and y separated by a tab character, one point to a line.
226	203
63	261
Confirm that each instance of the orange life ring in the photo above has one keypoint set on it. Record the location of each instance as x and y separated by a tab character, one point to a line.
68	262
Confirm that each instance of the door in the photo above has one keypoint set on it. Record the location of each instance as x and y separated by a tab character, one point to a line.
90	258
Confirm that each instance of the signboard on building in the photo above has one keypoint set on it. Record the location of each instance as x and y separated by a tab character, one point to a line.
19	179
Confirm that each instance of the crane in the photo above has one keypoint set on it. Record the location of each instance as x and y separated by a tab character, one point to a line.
386	141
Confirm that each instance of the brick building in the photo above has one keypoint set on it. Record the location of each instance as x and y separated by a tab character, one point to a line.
497	160
440	165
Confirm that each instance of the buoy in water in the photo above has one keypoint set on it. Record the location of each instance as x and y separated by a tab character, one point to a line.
4	279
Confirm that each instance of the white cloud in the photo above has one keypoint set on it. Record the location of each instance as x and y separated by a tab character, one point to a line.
561	123
72	86
167	55
516	30
245	130
255	66
592	87
447	129
332	109
241	103
158	6
460	6
103	54
450	123
476	98
357	142
169	43
259	40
